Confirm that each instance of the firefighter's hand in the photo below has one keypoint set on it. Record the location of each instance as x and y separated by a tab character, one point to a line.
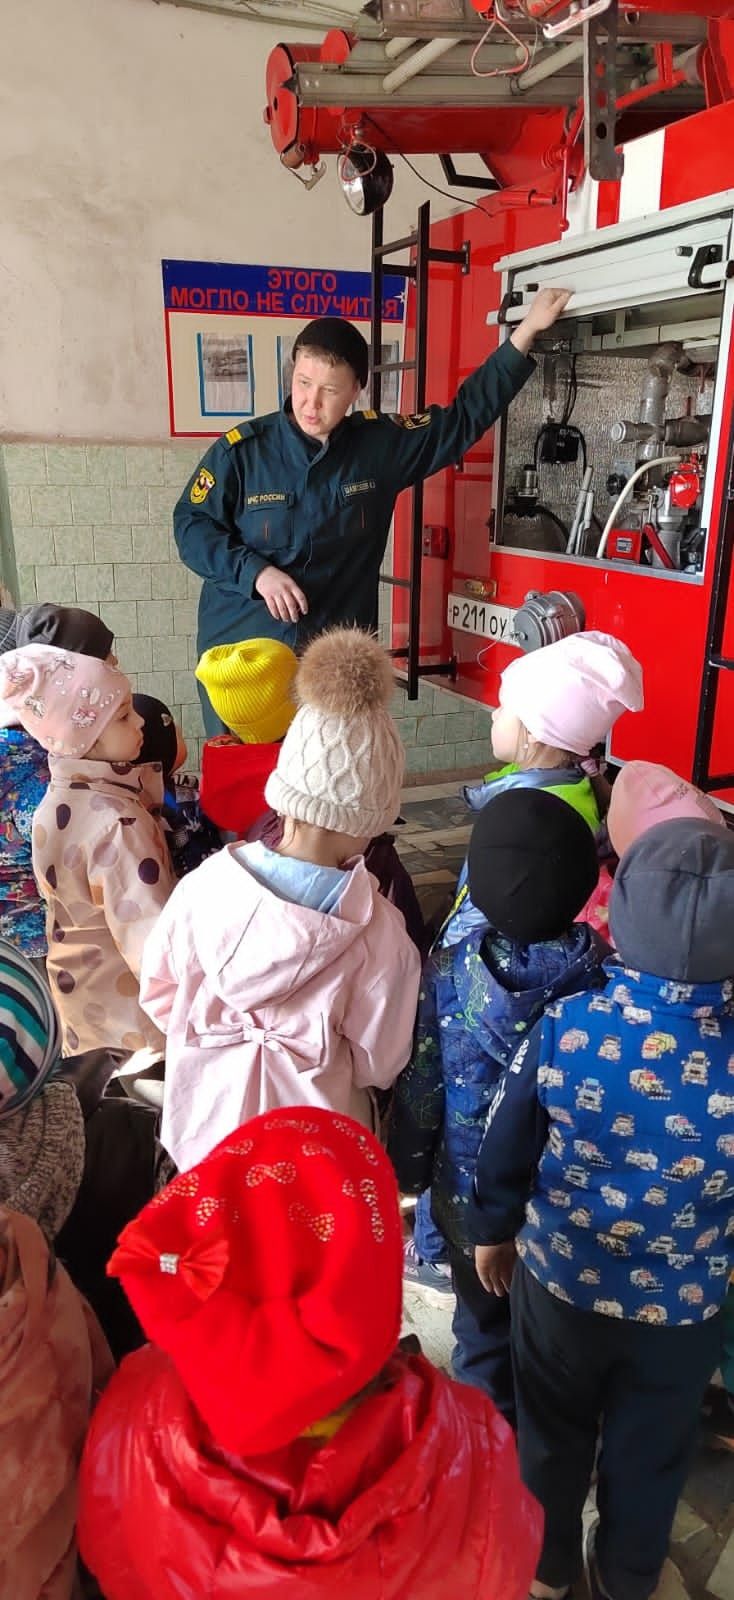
495	1264
282	596
546	308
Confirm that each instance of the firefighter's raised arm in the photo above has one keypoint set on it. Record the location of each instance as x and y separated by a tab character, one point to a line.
546	308
439	437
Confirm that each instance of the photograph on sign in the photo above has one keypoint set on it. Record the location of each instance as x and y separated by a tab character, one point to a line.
390	398
284	357
226	378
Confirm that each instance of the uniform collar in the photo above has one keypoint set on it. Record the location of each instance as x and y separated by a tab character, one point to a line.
313	448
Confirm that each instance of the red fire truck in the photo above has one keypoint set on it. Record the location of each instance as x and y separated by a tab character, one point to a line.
607	494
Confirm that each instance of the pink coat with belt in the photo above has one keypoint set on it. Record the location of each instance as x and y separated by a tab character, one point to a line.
102	865
266	1003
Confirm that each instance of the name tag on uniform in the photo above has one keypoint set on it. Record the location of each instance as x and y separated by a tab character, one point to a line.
363	486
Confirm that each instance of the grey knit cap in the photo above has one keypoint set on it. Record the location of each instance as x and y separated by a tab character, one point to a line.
42	1157
671	910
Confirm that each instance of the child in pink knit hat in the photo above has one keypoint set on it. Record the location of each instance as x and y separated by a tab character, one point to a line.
99	854
555	705
567	697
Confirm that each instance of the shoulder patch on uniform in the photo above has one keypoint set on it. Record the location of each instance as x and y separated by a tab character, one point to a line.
234	436
201	486
370	416
415	419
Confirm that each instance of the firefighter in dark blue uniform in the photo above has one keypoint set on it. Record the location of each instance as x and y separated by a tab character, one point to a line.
287	517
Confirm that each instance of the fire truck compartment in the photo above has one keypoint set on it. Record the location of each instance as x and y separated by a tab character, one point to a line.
605	454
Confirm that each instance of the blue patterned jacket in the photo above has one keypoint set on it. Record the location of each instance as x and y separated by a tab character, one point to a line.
609	1150
24	779
472	1013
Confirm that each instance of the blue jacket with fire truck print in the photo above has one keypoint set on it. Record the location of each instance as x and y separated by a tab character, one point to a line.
477	1000
609	1150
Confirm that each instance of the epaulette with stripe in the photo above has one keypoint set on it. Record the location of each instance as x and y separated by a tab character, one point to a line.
249	430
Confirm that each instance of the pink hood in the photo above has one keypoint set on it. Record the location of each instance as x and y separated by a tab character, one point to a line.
268	1003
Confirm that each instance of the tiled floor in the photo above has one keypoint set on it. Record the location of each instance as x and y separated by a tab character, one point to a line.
432	843
701	1562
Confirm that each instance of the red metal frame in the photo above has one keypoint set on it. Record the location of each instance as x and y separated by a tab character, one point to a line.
535	154
662	617
517	141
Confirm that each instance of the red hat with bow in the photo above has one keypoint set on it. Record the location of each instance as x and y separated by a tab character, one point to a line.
271	1274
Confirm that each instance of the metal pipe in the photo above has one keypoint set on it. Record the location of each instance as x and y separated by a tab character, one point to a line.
655	391
689	63
321	84
633	433
416	63
397	47
550	62
687	431
578	516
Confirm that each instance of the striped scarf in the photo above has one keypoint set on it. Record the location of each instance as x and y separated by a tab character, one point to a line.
29	1031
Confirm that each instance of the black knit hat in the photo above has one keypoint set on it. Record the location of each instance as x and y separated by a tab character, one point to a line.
671	910
532	865
67	628
160	738
338	339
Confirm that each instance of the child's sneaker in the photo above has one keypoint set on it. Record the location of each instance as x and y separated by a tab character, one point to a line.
432	1278
593	1581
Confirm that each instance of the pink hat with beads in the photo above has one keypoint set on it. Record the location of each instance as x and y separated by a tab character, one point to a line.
645	794
570	694
63	700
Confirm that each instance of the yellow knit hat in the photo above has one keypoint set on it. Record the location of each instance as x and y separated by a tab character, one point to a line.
249	686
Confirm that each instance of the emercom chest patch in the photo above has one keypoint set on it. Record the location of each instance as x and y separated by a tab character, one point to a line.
202	486
418	419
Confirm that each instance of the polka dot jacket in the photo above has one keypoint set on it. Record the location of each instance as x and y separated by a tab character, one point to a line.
104	870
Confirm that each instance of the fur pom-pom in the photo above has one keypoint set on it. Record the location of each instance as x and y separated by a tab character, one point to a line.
345	673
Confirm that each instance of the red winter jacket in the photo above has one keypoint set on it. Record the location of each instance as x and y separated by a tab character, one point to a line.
416	1496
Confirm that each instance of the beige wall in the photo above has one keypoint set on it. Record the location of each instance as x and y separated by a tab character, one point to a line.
129	132
91	527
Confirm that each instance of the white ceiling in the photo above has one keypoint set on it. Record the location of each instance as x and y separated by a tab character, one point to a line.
318	14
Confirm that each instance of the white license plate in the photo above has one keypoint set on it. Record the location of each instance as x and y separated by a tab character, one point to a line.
481	617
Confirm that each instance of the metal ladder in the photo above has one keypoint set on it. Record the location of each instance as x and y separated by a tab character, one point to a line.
714	662
419	242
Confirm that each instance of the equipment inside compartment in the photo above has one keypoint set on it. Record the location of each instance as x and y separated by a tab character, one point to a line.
605	450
